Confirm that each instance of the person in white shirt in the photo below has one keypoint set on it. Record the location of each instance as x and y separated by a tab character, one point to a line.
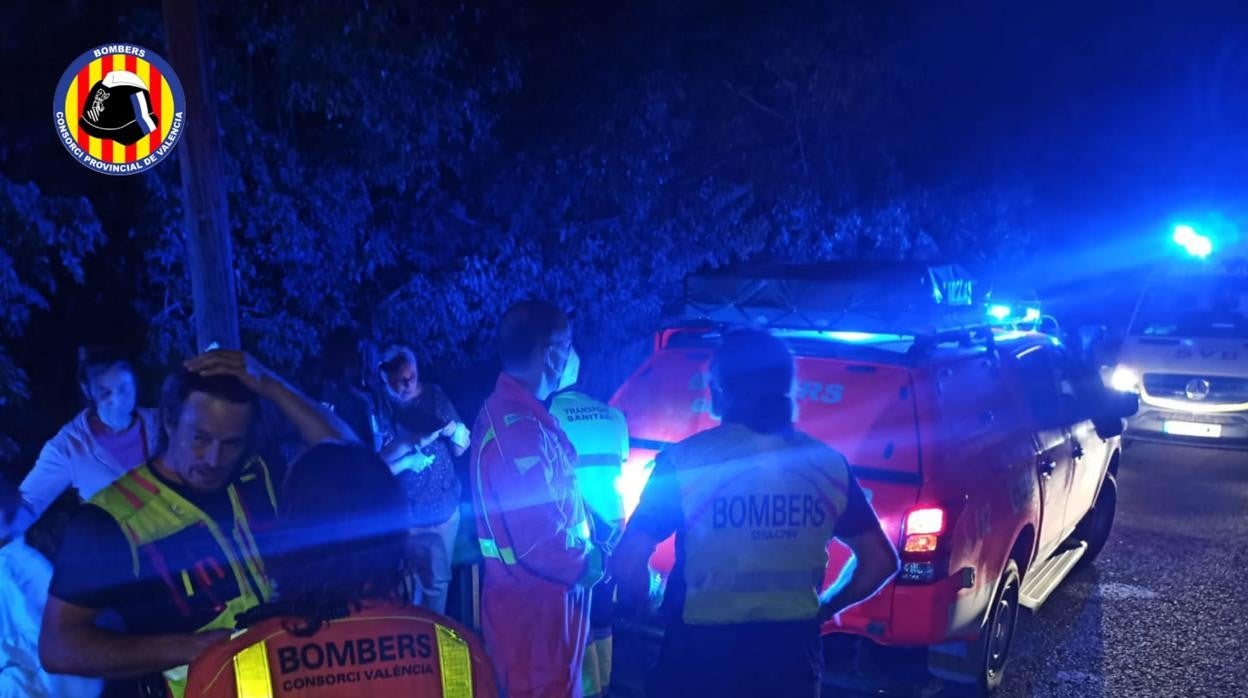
105	441
24	578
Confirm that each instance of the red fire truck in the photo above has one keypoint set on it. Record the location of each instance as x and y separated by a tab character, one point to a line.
989	454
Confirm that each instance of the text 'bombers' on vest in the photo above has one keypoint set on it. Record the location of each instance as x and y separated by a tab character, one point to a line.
362	651
768	510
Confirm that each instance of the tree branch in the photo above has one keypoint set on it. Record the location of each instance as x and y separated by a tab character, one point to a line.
755	103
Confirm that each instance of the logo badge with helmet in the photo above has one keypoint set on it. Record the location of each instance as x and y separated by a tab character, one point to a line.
118	109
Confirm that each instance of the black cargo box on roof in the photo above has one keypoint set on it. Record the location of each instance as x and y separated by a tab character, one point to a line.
883	297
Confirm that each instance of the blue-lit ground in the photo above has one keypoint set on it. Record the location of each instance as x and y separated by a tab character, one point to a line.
1159	614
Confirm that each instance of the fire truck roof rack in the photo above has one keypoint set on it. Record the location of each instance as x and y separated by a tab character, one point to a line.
930	304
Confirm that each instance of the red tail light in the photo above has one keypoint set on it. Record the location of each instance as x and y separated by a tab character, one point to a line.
920	541
923	529
930	520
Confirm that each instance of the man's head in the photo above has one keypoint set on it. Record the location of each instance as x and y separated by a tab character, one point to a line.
106	378
535	345
340	357
399	373
752	380
343	530
209	428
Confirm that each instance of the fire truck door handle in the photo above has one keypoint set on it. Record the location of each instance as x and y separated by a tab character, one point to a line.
1047	466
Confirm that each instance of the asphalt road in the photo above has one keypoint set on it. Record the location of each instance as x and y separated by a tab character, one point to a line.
1161	612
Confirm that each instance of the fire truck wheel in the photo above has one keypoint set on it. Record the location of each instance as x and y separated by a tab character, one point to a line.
991	651
1096	525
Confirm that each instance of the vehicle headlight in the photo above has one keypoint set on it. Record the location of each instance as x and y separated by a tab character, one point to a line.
1125	379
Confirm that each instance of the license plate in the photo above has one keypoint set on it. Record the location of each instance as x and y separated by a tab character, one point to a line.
1208	431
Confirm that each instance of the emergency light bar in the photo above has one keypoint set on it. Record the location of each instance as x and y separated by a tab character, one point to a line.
899	298
1006	314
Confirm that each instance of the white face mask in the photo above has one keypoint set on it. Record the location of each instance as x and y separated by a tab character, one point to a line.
554	382
571	371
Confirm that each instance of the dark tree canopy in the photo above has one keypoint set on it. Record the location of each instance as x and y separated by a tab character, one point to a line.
410	169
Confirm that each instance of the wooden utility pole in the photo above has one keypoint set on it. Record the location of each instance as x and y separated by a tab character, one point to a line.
210	254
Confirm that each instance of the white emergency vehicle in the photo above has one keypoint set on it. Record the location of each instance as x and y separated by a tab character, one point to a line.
1186	353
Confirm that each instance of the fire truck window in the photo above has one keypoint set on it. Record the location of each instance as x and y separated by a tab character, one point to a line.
1042	386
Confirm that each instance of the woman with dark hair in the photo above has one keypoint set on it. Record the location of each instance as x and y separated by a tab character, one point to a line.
342	624
105	441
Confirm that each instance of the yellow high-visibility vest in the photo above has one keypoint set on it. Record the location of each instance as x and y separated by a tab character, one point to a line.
758	512
148	512
599	433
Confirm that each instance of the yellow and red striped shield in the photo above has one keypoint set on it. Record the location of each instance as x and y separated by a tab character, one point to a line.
166	109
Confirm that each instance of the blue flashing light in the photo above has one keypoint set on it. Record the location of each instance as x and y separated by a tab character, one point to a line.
1192	242
1032	315
841	336
1000	312
856	337
1012	334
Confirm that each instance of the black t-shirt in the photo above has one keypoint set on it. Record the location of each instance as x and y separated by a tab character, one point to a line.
95	568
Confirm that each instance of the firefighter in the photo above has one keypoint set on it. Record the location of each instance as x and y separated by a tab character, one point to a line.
173	546
600	436
753	504
342	623
532	526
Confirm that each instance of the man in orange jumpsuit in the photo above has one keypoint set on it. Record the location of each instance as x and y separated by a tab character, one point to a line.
532	526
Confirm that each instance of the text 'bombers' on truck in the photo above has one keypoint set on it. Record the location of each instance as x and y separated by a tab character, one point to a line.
989	454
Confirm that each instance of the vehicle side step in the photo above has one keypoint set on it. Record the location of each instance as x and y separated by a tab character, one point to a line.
1042	580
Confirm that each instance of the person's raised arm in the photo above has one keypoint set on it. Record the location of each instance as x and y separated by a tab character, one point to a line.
46	481
71	643
314	422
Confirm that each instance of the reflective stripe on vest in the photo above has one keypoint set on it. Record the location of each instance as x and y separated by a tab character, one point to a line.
147	512
456	664
254	679
251	672
756	526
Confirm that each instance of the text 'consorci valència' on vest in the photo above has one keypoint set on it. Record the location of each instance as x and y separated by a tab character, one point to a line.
351	658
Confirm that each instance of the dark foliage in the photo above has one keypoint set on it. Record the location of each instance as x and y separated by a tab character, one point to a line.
410	169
